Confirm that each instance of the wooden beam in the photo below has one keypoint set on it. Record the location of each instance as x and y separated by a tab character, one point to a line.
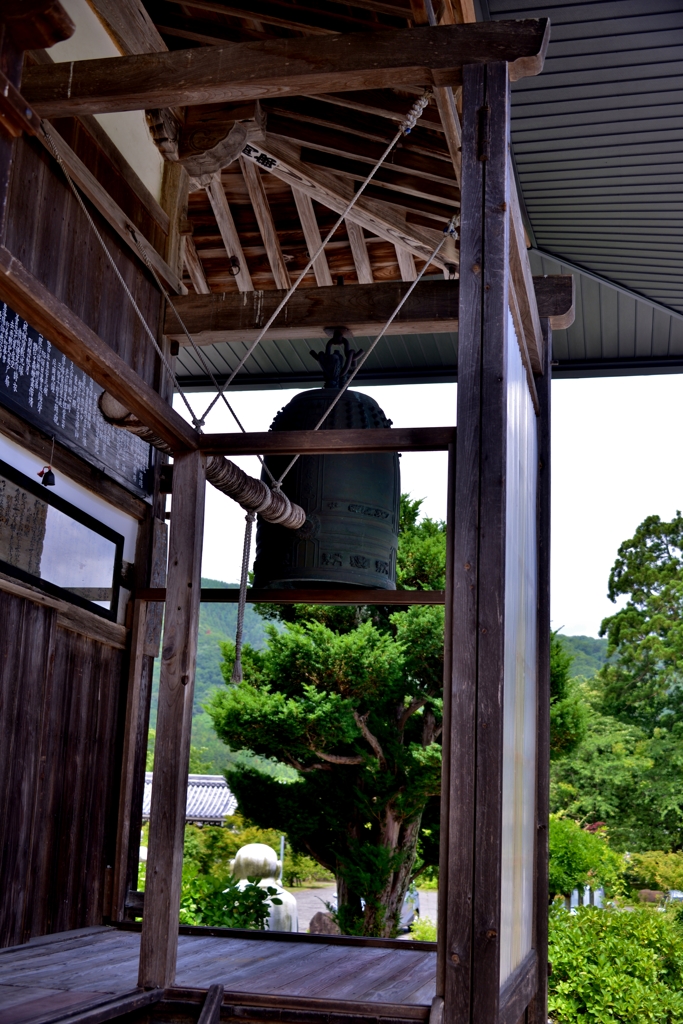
217	595
159	940
361	256
240	71
432	308
519	990
329	442
228	231
283	160
111	211
312	236
105	1009
211	1010
194	268
264	219
522	283
406	263
45	313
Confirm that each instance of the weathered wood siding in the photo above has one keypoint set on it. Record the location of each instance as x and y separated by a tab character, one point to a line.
60	714
48	232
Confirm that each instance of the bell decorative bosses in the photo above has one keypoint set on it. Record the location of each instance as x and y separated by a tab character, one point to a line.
352	502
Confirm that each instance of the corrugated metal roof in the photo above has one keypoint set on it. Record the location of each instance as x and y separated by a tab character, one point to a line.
209	799
598	140
615	332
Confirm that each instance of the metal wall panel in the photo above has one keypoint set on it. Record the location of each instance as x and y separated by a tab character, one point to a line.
519	677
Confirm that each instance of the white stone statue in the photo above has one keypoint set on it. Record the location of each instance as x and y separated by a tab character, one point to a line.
261	861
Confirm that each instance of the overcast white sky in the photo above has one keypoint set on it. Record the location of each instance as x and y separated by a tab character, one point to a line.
616	459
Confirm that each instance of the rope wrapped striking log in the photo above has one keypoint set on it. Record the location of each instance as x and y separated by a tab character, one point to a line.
253	495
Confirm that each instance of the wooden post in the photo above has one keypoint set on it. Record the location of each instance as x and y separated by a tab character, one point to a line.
538	1008
145	634
159	942
471	940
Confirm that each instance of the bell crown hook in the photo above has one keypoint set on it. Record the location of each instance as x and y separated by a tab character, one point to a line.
337	366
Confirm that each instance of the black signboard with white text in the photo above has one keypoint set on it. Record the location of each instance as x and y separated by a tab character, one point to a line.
44	387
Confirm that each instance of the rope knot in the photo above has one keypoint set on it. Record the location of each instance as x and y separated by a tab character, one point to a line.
415	112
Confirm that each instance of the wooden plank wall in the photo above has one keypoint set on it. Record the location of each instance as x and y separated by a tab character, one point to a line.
47	230
60	713
63	694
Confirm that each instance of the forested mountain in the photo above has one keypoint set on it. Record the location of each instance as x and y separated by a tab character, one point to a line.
589	654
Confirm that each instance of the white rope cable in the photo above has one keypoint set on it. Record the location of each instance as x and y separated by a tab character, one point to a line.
116	270
198	424
449	230
405	128
246	550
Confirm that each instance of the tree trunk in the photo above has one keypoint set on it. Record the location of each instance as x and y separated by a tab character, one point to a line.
383	916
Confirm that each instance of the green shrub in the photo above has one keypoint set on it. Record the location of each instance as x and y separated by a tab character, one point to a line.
615	966
654	870
208	901
423	929
579	858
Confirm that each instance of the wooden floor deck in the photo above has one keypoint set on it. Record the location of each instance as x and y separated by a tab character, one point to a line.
63	974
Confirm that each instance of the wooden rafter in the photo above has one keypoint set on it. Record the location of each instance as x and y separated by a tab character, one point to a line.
406	263
331	191
130	25
264	219
228	231
359	251
194	267
312	236
218	74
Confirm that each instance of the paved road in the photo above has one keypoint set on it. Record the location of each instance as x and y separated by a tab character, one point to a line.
310	901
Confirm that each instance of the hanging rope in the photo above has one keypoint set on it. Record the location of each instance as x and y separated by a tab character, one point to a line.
405	128
197	349
449	230
236	676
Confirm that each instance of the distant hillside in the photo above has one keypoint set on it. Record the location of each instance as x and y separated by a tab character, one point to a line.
217	623
589	654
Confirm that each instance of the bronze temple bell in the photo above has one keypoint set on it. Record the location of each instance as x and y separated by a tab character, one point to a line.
352	502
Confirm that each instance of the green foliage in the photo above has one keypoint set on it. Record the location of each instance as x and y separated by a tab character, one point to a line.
423	929
568	711
351	699
624	777
226	904
615	967
643	683
579	857
654	869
